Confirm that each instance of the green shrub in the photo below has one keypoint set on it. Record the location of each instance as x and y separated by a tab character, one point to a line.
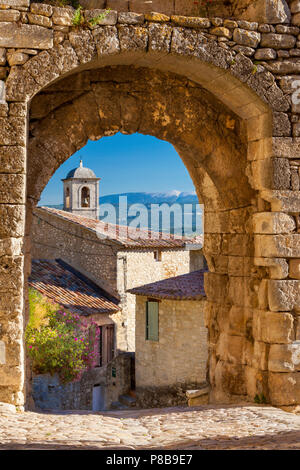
58	341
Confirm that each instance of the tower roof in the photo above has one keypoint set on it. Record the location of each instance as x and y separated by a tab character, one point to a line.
81	172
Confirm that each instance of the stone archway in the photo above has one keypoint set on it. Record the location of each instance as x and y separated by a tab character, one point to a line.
244	181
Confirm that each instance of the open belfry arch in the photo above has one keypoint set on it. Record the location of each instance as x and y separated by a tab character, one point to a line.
196	83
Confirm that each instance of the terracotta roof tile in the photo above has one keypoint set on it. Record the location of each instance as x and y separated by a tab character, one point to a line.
188	286
127	237
64	285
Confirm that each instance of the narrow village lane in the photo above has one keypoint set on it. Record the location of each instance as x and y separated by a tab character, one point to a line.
205	427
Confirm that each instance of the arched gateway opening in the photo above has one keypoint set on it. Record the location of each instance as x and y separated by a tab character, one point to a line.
216	110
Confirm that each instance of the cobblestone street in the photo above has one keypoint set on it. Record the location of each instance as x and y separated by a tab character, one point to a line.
205	427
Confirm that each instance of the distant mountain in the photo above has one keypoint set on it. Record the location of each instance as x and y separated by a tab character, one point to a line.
146	199
171	197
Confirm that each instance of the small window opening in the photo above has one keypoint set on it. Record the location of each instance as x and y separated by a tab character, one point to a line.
85	197
157	255
68	198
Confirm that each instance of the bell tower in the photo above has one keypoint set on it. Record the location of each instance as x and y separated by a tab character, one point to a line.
81	192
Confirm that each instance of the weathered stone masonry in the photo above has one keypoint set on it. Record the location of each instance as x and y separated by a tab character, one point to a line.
220	90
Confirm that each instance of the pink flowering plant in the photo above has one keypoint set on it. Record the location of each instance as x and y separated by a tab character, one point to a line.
60	342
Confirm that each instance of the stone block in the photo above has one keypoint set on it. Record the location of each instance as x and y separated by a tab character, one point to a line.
284	389
294	270
11	376
278	267
131	18
216	287
42	9
197	401
277	246
63	16
159	37
84	45
284	295
12	189
16	3
12	159
240	265
246	38
156	17
281	125
110	17
197	393
17	58
40	20
278	41
12	220
230	378
285	201
296	19
265	54
260	355
192	22
10	247
133	38
284	357
273	327
238	320
12	131
268	11
237	244
271	173
24	35
107	41
273	223
9	15
220	31
11	273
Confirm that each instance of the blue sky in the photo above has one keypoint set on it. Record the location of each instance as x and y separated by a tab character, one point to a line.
126	163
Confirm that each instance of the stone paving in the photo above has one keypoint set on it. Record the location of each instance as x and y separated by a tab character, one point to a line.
204	427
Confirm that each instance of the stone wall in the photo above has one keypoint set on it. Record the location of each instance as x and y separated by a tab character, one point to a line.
269	11
239	142
136	268
164	369
50	393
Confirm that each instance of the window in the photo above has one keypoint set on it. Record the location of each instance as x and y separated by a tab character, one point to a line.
157	255
85	197
106	344
152	320
68	198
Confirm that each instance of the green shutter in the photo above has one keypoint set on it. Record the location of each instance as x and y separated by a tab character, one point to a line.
152	321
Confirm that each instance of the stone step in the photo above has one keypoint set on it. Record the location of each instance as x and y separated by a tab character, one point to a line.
198	397
127	400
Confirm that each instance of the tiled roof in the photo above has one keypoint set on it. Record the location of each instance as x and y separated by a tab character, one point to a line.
127	237
185	287
64	285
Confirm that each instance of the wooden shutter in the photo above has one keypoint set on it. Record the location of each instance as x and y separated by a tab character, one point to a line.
110	342
152	321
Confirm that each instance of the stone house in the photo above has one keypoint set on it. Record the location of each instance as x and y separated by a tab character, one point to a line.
115	258
111	377
171	339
